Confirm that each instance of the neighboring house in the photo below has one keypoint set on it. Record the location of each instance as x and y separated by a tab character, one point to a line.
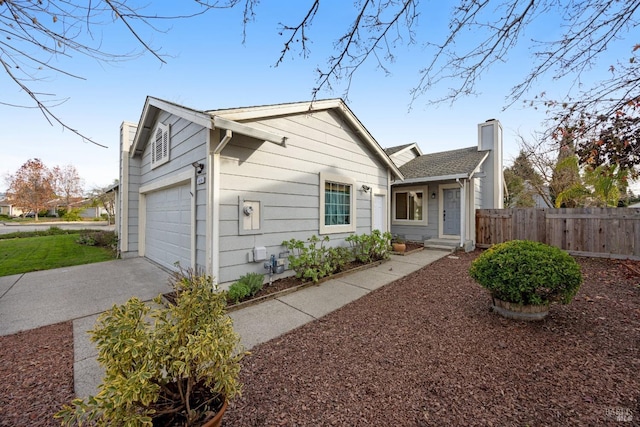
441	191
219	191
538	197
7	208
86	207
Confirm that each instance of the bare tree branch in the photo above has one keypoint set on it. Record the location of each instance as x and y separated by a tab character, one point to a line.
33	33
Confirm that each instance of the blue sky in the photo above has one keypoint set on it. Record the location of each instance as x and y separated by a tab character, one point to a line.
208	67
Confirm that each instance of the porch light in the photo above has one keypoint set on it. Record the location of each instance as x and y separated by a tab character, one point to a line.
433	195
198	166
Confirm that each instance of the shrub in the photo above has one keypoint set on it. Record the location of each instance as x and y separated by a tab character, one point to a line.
166	365
237	291
247	285
105	239
370	247
525	272
72	215
312	260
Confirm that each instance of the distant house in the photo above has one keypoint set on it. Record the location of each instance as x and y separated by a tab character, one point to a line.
533	197
220	190
86	207
437	200
7	207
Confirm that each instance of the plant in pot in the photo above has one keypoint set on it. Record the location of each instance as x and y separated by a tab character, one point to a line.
524	277
398	244
173	364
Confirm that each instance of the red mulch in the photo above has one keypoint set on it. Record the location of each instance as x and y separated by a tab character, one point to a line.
36	375
426	351
423	351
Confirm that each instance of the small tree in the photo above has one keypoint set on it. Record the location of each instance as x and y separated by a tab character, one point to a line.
100	196
67	184
31	187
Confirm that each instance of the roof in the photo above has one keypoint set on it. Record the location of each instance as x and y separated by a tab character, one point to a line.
395	150
238	120
452	164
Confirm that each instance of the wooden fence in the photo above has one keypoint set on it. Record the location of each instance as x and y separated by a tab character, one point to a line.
595	232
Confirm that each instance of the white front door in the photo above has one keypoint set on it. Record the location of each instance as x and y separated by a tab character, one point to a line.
379	209
451	212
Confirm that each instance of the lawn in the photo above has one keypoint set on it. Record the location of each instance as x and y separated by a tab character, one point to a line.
46	252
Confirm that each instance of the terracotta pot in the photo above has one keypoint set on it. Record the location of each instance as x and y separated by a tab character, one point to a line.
217	420
519	311
399	247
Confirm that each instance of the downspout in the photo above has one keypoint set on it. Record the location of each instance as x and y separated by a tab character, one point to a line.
215	203
463	208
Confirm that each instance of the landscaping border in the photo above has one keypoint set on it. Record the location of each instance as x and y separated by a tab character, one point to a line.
283	292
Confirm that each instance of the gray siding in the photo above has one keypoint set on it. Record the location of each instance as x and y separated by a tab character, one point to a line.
286	181
187	145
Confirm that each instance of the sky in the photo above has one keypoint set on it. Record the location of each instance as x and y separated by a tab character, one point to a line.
208	66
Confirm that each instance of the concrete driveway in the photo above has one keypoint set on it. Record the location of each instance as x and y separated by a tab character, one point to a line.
42	298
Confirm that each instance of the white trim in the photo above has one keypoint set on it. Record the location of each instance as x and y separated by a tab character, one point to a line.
340	179
242	129
171	181
215	209
209	210
165	144
194	217
441	189
425	205
412	146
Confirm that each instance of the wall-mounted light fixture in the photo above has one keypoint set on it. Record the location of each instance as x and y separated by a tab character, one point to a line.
366	188
433	195
198	166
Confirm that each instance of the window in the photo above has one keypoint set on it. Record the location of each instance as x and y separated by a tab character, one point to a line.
337	204
160	145
410	206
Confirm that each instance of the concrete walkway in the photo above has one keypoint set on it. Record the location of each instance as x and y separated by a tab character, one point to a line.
82	293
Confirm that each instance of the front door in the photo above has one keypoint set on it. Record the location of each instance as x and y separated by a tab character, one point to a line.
451	212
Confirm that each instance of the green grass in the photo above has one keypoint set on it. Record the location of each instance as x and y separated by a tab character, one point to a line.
21	255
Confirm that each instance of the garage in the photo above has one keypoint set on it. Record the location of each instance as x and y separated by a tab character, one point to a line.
168	226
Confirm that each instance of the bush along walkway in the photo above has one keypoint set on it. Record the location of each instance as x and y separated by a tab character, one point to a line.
269	319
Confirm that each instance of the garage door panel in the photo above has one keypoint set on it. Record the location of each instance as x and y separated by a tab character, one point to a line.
168	227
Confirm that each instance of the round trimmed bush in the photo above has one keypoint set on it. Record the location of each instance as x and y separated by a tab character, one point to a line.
526	272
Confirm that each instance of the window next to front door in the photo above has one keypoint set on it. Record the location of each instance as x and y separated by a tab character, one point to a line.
410	206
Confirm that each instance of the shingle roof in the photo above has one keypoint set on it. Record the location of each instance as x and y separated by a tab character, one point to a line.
455	162
393	150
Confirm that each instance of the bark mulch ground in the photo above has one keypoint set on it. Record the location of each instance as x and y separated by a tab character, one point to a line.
423	351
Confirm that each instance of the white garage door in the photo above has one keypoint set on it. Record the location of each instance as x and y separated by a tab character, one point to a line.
168	227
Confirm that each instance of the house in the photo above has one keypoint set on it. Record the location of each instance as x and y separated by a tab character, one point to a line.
219	191
7	208
437	200
87	208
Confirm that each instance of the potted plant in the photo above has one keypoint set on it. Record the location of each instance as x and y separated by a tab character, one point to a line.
524	277
173	364
398	244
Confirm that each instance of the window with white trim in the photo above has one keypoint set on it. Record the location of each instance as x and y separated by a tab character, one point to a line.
410	206
337	204
160	145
